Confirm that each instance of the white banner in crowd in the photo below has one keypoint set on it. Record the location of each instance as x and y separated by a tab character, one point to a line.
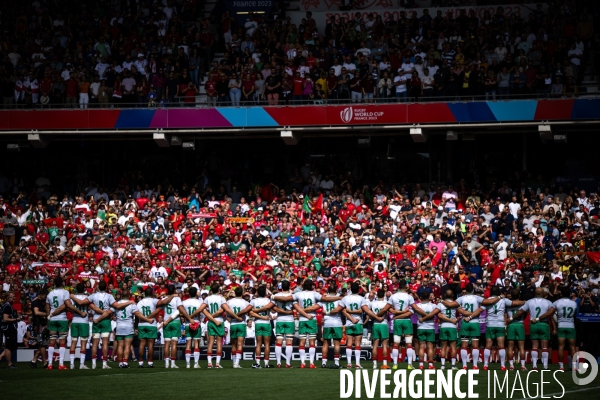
321	17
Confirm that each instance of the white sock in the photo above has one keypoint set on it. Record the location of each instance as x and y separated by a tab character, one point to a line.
357	355
50	354
464	356
61	355
196	357
502	353
289	351
336	360
453	362
188	357
475	357
534	358
219	359
82	358
302	352
278	353
411	355
311	354
209	358
385	361
93	362
522	362
72	357
349	355
443	361
545	358
266	360
486	357
167	362
395	355
173	361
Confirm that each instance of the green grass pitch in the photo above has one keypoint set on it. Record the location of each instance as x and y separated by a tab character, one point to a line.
226	383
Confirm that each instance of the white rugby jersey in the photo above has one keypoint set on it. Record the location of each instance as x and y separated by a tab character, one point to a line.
353	302
565	311
305	299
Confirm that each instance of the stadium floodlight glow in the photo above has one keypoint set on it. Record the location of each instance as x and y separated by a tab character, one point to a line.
13	147
418	136
451	135
290	138
37	141
188	146
161	139
545	132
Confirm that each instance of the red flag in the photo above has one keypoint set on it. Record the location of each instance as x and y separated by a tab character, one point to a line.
318	205
59	222
594	257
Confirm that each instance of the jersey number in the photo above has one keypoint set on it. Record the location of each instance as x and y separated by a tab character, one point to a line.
538	311
568	314
214	307
469	307
146	311
55	302
307	303
449	313
401	305
329	307
124	315
191	310
169	309
353	307
235	310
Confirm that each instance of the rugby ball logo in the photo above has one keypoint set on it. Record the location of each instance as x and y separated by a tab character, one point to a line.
346	115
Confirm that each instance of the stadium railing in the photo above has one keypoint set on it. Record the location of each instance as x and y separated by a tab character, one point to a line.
202	101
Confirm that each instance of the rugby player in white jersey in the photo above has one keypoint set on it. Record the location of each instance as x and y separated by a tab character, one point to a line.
100	302
237	328
307	299
515	331
426	327
540	311
448	330
354	307
285	328
399	305
495	329
172	325
262	324
565	311
125	329
195	307
57	304
216	306
150	307
80	329
332	328
381	331
470	308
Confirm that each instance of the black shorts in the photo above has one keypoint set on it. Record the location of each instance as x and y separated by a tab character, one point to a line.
10	338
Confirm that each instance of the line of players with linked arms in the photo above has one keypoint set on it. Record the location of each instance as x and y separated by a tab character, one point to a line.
457	321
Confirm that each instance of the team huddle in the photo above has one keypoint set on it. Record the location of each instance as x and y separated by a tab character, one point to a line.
458	322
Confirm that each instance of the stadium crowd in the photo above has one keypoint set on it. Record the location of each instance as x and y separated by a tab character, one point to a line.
372	240
150	52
